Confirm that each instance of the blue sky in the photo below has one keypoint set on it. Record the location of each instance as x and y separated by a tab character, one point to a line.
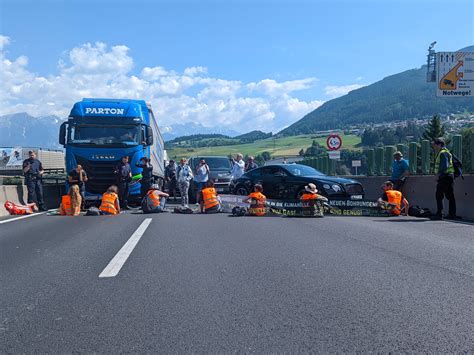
308	51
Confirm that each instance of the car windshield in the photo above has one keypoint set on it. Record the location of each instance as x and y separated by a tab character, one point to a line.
216	163
128	135
302	170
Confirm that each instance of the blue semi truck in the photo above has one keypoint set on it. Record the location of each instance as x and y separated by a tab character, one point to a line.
99	132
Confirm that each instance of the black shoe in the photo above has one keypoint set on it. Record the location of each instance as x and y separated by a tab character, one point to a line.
42	209
453	217
436	217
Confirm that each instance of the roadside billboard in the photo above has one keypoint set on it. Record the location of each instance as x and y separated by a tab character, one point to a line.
455	74
11	157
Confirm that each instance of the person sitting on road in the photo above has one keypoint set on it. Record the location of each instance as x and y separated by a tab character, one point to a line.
312	202
257	201
155	200
16	209
392	200
110	201
209	200
71	203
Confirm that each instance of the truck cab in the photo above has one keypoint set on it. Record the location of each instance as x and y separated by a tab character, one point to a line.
99	132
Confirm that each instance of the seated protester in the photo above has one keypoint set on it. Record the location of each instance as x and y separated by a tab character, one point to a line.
17	209
209	200
71	203
257	201
312	202
110	201
393	200
154	200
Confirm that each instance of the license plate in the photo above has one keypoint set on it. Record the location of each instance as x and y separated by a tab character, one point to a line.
356	197
220	189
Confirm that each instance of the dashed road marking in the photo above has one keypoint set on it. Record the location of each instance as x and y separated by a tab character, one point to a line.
114	266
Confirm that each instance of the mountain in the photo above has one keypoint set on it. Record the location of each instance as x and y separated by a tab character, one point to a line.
253	136
191	128
21	129
397	97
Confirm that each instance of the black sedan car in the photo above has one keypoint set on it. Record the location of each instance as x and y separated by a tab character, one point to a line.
287	181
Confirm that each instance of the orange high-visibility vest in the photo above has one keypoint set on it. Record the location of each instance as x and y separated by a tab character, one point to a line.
66	207
155	199
108	203
209	196
309	196
395	197
257	209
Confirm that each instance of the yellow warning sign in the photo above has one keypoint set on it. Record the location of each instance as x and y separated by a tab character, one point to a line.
455	74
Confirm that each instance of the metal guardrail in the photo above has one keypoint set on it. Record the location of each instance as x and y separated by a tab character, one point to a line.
53	179
379	159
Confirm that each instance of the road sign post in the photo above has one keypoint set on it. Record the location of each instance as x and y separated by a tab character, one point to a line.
356	164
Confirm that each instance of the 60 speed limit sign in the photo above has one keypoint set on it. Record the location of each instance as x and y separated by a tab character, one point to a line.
334	142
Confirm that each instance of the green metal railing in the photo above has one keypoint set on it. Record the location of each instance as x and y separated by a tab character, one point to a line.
420	158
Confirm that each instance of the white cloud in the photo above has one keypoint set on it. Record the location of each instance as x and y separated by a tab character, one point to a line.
336	91
273	88
192	71
4	41
99	70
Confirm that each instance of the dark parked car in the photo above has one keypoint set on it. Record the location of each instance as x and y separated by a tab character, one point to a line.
287	181
220	168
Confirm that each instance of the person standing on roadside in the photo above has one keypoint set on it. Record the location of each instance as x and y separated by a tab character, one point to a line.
201	177
444	170
399	171
123	174
184	175
238	167
147	175
78	176
33	171
170	178
250	165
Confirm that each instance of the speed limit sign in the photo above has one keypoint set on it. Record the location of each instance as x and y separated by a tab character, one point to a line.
334	142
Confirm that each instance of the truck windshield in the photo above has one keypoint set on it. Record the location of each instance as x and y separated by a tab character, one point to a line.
110	135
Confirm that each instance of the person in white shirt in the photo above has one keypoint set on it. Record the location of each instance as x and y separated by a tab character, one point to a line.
185	175
238	168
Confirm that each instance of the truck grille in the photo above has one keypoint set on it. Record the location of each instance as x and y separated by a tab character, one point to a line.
354	189
100	174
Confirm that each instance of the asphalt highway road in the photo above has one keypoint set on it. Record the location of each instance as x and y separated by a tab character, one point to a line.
196	283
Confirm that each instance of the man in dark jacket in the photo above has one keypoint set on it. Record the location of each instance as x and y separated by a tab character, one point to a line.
170	177
33	171
123	174
147	175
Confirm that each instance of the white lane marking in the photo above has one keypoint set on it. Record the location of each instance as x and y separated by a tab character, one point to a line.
26	216
113	268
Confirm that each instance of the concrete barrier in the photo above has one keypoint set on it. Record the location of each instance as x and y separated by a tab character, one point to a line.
19	193
420	190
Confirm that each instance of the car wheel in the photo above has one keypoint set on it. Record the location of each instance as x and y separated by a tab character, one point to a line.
241	190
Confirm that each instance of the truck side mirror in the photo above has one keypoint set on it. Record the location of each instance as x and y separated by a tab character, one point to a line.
62	134
148	135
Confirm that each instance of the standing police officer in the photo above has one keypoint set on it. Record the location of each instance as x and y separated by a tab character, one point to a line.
444	169
33	171
123	174
147	175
